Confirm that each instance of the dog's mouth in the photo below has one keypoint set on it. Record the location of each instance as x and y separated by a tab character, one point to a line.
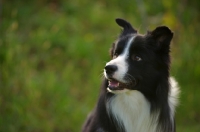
113	84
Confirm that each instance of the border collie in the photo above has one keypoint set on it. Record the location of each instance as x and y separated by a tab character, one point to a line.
138	94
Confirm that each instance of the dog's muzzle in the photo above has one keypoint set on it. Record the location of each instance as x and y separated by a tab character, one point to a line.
114	83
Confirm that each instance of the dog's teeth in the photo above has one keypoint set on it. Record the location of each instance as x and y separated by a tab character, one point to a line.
114	83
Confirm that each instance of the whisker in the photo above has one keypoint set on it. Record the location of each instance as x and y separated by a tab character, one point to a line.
101	75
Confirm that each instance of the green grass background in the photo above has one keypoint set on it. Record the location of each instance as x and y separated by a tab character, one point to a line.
52	54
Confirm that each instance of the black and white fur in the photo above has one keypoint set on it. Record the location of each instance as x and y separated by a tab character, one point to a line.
137	94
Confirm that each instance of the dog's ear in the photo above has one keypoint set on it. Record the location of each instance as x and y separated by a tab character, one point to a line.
162	35
127	28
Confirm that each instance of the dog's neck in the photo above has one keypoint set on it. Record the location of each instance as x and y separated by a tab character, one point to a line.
131	111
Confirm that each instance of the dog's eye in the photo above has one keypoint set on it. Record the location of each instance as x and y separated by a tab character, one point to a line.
136	58
115	55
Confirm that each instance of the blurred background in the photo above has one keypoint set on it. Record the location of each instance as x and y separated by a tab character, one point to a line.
52	54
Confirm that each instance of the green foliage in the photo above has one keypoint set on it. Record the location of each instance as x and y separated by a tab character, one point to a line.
52	54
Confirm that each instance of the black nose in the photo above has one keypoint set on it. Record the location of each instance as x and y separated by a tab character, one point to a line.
110	69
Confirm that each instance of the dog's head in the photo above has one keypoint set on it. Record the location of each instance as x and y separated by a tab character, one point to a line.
138	60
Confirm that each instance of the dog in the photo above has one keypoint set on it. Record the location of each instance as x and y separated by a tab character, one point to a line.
137	94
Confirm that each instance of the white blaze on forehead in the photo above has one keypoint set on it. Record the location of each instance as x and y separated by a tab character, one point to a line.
121	63
126	50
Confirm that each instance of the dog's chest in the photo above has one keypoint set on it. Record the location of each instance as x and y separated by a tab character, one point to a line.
132	110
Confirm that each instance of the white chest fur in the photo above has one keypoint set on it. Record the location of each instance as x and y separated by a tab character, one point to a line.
133	110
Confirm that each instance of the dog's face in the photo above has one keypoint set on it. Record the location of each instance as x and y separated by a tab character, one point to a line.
137	60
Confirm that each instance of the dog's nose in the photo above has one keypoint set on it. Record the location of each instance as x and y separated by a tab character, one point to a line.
110	69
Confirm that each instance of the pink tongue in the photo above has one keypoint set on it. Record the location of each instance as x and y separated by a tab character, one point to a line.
114	83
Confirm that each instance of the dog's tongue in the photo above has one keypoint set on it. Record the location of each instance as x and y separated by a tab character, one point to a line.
113	83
